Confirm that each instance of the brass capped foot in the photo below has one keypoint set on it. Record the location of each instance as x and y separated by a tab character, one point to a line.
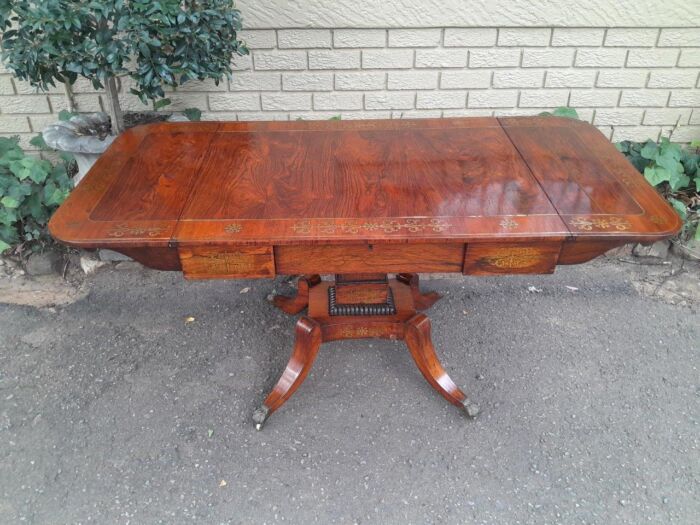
260	416
470	408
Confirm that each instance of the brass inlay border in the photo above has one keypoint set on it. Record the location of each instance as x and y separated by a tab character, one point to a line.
602	223
384	226
124	230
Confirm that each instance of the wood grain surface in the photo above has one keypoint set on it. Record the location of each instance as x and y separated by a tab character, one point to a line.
430	195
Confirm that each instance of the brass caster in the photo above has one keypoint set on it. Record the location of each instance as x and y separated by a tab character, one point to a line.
470	408
260	416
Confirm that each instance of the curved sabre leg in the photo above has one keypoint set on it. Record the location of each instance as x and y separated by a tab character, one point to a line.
306	344
419	343
422	301
294	305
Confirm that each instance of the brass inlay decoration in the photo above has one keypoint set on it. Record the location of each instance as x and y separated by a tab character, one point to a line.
229	263
234	227
513	257
604	223
627	179
508	223
411	225
385	226
124	230
362	331
327	227
302	227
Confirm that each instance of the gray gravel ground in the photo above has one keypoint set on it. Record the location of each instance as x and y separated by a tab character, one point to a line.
114	410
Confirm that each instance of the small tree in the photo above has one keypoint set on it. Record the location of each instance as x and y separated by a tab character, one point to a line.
155	43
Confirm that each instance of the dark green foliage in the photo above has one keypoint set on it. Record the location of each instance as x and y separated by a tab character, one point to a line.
561	112
65	115
156	43
30	190
193	114
673	170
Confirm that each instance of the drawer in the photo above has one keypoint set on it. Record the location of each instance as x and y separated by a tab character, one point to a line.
369	258
212	262
510	258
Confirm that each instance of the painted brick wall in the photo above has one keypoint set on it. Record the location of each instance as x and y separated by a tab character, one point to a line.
632	83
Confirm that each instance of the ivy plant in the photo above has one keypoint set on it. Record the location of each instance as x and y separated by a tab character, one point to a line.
30	190
674	171
156	44
561	112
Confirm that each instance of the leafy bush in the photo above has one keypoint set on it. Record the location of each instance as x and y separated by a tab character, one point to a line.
193	114
561	112
154	43
674	171
30	190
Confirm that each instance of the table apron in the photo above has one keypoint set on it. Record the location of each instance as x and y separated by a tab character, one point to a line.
493	258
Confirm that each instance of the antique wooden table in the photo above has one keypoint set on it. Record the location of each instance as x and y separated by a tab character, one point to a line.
361	200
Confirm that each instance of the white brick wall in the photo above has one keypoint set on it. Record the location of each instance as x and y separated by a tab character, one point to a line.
630	82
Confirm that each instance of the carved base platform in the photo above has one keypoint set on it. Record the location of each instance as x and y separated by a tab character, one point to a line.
360	306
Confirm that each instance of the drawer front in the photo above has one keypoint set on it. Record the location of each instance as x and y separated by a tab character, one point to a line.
212	262
510	258
368	258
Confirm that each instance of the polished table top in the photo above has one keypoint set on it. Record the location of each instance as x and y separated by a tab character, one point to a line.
164	189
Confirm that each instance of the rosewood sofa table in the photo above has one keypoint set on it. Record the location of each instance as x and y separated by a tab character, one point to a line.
362	199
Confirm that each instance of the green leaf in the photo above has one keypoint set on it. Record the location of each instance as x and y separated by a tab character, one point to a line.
4	246
623	147
8	215
53	198
697	233
667	160
193	114
678	181
64	115
656	175
145	51
35	206
565	112
8	144
161	103
39	142
690	163
649	150
9	202
679	207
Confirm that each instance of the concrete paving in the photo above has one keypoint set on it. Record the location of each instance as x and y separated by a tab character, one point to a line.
114	409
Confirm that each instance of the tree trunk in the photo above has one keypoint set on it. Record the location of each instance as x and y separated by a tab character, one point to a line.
69	96
115	110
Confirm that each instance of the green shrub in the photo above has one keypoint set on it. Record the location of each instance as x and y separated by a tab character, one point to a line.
673	170
154	43
30	190
561	112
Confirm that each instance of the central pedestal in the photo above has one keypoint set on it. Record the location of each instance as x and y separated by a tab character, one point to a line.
360	307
